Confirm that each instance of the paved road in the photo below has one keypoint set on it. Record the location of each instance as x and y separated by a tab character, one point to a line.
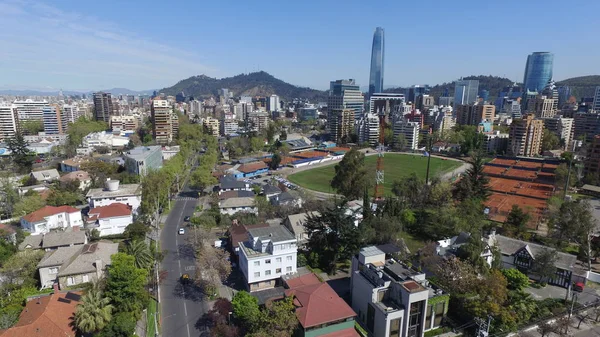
181	306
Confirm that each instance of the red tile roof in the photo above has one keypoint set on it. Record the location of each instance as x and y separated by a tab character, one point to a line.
248	168
110	211
304	280
46	316
349	332
318	304
47	211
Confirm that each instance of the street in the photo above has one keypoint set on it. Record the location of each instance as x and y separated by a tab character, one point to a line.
182	306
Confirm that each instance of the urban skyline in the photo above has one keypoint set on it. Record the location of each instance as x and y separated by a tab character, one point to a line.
118	49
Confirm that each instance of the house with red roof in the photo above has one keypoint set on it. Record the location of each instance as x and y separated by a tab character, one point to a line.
49	218
320	311
48	316
110	220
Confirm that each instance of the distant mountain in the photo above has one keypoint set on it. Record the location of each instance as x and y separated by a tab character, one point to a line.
253	84
114	91
125	91
583	86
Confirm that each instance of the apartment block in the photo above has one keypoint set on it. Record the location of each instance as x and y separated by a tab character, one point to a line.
543	107
340	124
228	125
368	129
392	299
587	124
258	121
525	136
9	121
52	120
103	106
212	125
388	105
410	131
123	123
164	121
592	161
30	109
346	94
467	114
562	127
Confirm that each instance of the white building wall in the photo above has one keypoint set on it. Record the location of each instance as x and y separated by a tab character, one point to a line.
133	201
234	210
53	222
114	225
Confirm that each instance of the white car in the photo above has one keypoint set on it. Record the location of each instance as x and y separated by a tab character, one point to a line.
181	231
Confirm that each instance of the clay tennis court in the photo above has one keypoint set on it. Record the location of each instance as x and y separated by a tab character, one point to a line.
501	204
522	188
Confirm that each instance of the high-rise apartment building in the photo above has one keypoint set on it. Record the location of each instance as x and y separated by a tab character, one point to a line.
586	125
415	91
538	71
103	106
165	123
368	129
562	127
592	161
543	107
465	92
212	125
596	103
123	123
388	105
467	114
410	133
53	120
258	121
69	114
228	124
340	124
9	122
30	109
273	103
525	136
195	107
346	94
377	58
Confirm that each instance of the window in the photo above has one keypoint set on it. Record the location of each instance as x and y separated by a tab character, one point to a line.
289	258
415	318
257	274
267	273
70	281
288	269
428	315
257	263
268	261
278	259
53	270
278	271
395	325
439	314
370	317
86	278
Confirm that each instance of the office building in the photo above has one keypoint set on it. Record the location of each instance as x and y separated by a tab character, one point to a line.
211	125
368	130
562	127
586	125
268	254
165	123
52	120
391	106
273	103
446	101
543	106
103	106
538	71
424	102
415	91
377	62
564	93
9	121
525	136
142	159
410	133
393	299
465	92
340	124
308	112
596	103
346	94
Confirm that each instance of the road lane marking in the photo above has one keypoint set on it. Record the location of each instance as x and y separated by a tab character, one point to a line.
187	324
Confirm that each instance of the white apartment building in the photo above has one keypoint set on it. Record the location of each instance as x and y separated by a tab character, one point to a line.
30	109
50	218
109	220
273	103
104	139
368	129
410	130
128	194
228	125
596	103
195	107
212	125
562	127
267	255
70	114
8	121
259	121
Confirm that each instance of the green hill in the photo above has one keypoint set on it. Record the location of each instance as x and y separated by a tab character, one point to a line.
253	84
583	86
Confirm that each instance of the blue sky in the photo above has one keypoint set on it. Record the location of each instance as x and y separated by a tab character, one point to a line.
79	45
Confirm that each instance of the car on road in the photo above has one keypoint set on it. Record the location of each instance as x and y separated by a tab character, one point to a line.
181	231
578	287
185	279
186	219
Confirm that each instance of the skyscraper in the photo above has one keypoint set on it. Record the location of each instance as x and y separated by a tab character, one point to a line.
465	92
538	71
376	76
103	106
346	94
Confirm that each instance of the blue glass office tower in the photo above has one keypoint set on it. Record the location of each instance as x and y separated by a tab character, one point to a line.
376	76
538	71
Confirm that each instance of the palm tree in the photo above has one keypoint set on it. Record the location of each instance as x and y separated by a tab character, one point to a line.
140	251
93	313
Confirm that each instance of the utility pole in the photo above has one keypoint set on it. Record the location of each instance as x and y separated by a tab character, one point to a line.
428	158
573	299
569	173
483	327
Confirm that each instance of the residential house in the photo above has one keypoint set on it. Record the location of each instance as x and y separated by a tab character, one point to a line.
295	224
81	176
286	199
54	240
74	265
450	247
320	311
45	175
238	234
47	315
40	188
128	194
234	205
73	164
109	220
266	255
236	194
392	299
50	218
270	191
229	183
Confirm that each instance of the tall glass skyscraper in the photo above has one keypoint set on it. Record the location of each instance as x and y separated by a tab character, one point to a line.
538	71
376	76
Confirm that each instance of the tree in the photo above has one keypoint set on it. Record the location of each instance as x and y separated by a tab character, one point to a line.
28	204
59	196
32	126
99	170
544	264
278	319
574	221
245	309
212	267
560	176
474	183
257	144
350	175
388	136
283	135
136	231
20	153
472	141
550	141
10	195
400	142
516	279
125	283
121	325
270	132
82	127
202	178
93	312
516	223
21	268
275	161
141	253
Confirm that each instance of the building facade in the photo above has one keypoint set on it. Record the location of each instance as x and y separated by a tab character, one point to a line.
525	136
128	194
377	62
538	71
368	129
50	218
212	125
561	127
340	124
409	131
143	159
30	109
9	121
465	92
103	106
109	220
165	123
53	120
345	94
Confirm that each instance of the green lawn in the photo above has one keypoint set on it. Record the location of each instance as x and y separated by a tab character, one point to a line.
395	167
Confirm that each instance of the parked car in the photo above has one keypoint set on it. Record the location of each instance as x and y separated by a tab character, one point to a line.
181	231
186	219
578	287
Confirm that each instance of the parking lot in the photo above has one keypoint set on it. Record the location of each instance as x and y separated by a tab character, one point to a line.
268	178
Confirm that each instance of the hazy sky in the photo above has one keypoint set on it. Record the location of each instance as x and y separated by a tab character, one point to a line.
151	44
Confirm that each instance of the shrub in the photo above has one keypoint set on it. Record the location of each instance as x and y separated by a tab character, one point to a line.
516	279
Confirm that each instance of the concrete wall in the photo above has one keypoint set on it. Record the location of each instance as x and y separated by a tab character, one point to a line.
133	201
77	279
115	225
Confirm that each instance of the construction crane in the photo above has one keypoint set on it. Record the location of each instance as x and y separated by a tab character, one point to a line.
380	151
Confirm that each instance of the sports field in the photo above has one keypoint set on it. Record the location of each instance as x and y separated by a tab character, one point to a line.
395	167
